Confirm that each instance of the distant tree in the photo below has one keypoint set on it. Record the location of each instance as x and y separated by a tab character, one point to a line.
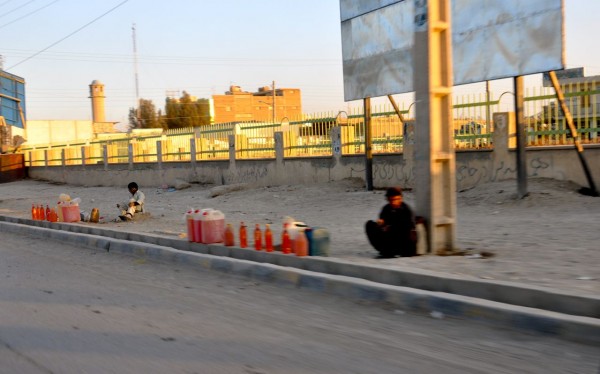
186	112
173	113
145	117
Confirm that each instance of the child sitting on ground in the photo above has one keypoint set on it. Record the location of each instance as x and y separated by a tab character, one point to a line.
135	204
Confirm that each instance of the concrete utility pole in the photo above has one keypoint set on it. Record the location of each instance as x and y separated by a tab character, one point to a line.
274	102
435	182
135	70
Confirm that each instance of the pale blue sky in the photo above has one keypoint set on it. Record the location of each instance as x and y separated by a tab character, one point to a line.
201	46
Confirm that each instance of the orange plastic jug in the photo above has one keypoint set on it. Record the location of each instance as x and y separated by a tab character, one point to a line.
286	243
243	236
189	219
229	240
257	238
301	244
268	239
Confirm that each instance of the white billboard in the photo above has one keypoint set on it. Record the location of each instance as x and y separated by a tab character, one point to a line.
491	39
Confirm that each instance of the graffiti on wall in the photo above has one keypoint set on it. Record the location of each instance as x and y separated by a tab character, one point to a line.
469	173
245	174
472	173
387	173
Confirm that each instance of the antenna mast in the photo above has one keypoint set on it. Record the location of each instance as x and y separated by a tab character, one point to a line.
135	70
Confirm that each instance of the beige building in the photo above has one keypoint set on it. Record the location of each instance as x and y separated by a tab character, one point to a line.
42	132
242	106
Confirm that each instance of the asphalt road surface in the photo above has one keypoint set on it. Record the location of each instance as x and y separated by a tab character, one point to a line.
65	309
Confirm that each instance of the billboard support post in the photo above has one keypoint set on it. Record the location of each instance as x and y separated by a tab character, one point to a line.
521	139
592	191
368	144
435	181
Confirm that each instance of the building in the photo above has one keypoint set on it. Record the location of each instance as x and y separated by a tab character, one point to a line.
242	106
12	109
43	132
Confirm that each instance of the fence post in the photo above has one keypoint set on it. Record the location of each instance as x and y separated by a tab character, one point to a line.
193	152
408	151
130	155
278	138
231	139
336	142
45	158
105	156
83	157
159	157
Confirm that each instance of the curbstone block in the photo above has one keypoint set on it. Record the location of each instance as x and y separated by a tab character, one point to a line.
217	250
223	265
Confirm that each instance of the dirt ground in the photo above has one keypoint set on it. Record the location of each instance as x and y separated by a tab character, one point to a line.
551	238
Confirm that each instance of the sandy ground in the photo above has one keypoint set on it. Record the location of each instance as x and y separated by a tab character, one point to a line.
550	238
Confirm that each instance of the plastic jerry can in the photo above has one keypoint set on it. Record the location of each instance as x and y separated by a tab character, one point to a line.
71	213
213	226
189	220
197	224
60	212
421	238
301	244
319	243
95	215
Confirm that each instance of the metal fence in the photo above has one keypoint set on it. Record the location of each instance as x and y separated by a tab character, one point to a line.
311	135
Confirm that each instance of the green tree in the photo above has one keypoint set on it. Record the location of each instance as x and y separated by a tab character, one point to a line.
145	116
187	112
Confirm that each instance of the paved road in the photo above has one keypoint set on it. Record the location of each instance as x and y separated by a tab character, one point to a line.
65	309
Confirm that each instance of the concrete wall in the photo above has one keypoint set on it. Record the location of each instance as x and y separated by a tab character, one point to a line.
57	131
472	167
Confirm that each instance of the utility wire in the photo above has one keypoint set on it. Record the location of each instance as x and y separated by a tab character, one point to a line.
6	2
71	34
17	8
28	14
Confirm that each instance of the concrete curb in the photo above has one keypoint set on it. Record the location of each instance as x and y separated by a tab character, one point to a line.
500	291
576	328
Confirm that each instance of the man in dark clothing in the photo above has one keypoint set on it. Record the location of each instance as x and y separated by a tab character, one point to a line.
394	232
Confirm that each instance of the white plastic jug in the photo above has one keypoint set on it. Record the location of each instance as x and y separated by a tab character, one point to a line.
213	226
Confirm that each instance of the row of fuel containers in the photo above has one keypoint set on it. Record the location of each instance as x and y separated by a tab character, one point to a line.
63	212
205	225
208	226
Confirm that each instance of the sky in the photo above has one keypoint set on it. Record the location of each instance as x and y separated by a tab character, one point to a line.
201	47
